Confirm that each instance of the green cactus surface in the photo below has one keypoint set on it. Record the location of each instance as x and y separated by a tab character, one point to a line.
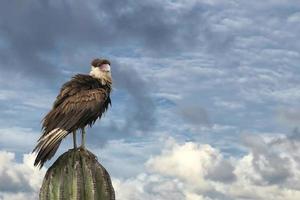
77	175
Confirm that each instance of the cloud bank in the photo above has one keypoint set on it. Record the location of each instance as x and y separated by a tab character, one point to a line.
19	180
193	171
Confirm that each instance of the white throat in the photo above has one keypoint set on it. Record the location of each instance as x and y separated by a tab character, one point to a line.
96	72
104	76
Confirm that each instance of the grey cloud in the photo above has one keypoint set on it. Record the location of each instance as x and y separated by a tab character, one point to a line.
38	32
295	136
142	105
216	195
289	116
291	142
193	113
39	37
10	186
222	172
139	111
293	139
164	189
19	177
274	168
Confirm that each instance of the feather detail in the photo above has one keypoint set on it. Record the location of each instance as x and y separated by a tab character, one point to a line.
48	145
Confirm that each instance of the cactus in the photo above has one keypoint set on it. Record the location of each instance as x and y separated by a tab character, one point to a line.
77	175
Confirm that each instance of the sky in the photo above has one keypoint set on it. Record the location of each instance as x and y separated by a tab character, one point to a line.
205	101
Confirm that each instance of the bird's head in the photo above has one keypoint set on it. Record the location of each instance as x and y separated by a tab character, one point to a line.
101	69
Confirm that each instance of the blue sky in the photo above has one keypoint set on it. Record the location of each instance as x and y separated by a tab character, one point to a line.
205	102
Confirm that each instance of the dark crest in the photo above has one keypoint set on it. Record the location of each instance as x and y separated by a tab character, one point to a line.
98	62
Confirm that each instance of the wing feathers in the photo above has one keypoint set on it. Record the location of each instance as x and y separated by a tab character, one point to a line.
48	144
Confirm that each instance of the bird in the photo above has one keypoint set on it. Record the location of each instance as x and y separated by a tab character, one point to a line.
80	102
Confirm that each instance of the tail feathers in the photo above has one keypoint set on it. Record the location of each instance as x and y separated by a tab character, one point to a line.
48	145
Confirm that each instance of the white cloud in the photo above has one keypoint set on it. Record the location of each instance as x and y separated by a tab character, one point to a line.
190	162
147	186
19	180
184	171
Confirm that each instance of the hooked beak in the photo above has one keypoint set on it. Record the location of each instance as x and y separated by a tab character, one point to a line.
105	67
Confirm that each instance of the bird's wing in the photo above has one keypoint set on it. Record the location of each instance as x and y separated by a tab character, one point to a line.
84	104
74	112
77	83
